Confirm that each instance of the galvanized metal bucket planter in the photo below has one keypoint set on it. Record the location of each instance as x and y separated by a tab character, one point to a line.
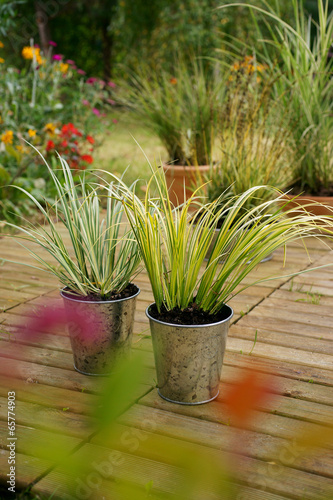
103	333
189	359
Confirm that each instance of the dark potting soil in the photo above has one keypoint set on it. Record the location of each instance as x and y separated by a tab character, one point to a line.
128	292
192	315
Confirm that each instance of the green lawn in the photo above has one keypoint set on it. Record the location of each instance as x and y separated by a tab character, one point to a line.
119	150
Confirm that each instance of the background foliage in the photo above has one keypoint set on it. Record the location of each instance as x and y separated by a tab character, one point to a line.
127	31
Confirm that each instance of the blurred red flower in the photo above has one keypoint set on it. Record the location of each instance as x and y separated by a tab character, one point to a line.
87	158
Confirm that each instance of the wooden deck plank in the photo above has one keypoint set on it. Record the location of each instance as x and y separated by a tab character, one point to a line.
36	442
214	435
29	469
281	421
168	477
269	336
50	419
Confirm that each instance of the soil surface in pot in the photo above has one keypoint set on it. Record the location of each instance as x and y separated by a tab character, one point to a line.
192	315
129	291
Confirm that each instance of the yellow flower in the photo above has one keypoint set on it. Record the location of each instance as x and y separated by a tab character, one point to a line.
0	119
2	60
31	52
250	69
1	45
50	128
7	137
20	149
63	67
31	132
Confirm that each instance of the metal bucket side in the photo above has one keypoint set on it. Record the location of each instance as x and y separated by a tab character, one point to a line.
189	359
110	327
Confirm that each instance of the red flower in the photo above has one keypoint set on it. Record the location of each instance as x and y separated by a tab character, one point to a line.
69	129
64	143
50	145
87	158
74	164
90	139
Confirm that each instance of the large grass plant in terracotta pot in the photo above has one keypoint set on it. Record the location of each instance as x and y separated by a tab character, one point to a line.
304	89
255	142
181	108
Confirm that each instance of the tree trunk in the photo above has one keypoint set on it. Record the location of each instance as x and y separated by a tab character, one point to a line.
107	38
43	26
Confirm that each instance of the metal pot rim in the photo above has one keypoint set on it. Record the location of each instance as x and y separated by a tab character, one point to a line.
99	301
189	326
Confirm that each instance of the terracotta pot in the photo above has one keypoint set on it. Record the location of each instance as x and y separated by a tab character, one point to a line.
316	209
178	176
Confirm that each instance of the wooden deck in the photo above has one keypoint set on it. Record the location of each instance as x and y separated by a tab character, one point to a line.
54	404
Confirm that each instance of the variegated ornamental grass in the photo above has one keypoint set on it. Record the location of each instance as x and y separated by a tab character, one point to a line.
304	85
100	258
174	243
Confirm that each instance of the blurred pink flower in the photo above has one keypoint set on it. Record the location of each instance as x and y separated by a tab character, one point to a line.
57	57
96	112
52	316
111	84
91	80
70	61
111	101
115	120
81	72
85	102
52	43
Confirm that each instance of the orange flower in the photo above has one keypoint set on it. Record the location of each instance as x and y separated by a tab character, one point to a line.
63	67
247	394
173	81
31	53
50	128
7	137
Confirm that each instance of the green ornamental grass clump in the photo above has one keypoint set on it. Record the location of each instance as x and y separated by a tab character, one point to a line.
174	243
181	108
298	53
255	140
102	256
